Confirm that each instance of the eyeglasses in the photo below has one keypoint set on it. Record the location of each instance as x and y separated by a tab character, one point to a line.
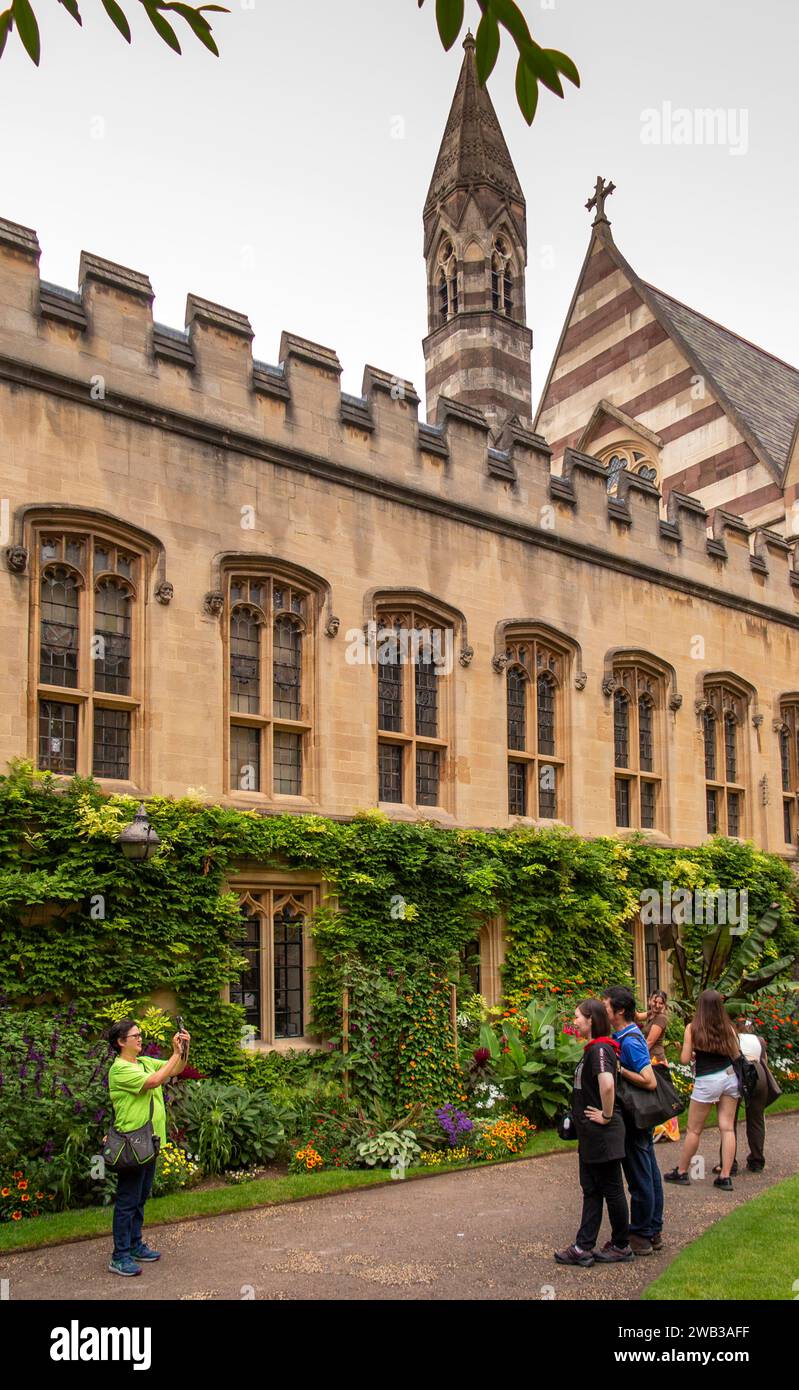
132	1037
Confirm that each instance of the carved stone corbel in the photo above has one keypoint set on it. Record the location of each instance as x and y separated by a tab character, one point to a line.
580	680
609	685
17	557
465	656
332	626
213	603
165	592
499	662
675	702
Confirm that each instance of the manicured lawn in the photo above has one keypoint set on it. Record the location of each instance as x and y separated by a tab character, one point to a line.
87	1222
752	1253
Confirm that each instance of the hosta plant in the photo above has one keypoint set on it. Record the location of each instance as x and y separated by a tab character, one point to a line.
389	1150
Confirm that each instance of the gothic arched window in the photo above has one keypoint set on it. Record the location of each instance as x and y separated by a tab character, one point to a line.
273	988
86	584
621	458
723	725
414	661
787	728
447	282
269	621
501	278
637	716
534	681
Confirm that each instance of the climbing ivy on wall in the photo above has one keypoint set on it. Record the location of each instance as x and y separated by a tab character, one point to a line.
78	922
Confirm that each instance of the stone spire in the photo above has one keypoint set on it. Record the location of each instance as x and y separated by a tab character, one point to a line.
475	247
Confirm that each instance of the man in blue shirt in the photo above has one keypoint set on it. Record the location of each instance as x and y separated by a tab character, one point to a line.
640	1164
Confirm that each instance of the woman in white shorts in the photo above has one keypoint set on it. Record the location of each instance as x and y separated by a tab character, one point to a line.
712	1042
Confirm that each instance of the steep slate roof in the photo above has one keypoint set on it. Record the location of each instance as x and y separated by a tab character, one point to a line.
473	149
763	390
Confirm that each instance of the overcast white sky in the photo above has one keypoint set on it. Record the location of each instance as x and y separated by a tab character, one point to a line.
271	179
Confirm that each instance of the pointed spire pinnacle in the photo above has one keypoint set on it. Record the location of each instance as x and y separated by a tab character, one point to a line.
473	151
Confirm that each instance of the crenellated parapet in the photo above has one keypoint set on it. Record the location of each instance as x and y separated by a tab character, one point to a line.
101	348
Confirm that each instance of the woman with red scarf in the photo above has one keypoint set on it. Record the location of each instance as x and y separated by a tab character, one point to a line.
600	1135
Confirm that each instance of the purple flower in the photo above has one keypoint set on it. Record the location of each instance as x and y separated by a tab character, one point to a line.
453	1122
98	1116
48	1150
64	1089
23	1071
78	1106
54	1041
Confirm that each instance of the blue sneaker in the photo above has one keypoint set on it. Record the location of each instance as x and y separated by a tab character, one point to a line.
143	1252
124	1265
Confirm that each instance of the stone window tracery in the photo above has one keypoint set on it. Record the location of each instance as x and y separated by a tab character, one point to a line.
535	672
638	702
723	713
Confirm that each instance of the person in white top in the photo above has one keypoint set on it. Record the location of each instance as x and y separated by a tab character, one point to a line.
754	1049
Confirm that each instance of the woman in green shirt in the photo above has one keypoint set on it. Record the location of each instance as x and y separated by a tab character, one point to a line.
133	1081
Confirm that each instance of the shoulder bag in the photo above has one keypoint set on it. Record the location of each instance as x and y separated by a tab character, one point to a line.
130	1149
646	1109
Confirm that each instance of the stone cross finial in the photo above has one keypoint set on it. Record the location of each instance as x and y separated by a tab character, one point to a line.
602	191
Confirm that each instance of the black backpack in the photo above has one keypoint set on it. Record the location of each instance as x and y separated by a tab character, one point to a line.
746	1072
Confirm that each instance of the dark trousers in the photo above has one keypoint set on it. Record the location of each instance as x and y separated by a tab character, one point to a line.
755	1115
133	1188
643	1179
602	1182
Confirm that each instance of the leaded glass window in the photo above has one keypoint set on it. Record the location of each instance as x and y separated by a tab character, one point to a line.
517	709
638	698
111	755
621	728
546	714
645	734
245	661
390	757
287	669
86	591
112	638
724	720
428	768
730	748
288	923
413	689
517	789
58	736
709	734
535	669
268	635
276	945
788	734
288	763
59	628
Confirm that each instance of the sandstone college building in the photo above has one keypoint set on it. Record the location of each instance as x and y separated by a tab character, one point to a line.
203	552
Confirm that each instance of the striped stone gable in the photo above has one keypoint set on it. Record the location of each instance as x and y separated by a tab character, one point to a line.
620	346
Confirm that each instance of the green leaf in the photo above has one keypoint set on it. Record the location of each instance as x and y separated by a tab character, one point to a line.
511	17
71	7
5	29
117	17
161	25
564	64
543	67
199	26
27	28
449	18
526	91
487	46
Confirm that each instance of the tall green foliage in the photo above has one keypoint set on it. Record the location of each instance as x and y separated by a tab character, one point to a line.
78	922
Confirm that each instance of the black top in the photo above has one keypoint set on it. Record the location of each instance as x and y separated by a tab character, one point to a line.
709	1062
597	1143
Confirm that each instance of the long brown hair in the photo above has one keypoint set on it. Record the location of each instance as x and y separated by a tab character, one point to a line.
713	1029
598	1014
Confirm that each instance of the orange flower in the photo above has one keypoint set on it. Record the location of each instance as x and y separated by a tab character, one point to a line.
16	1216
22	1185
5	1191
25	1197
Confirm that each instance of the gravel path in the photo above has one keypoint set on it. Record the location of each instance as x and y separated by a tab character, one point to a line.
479	1234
